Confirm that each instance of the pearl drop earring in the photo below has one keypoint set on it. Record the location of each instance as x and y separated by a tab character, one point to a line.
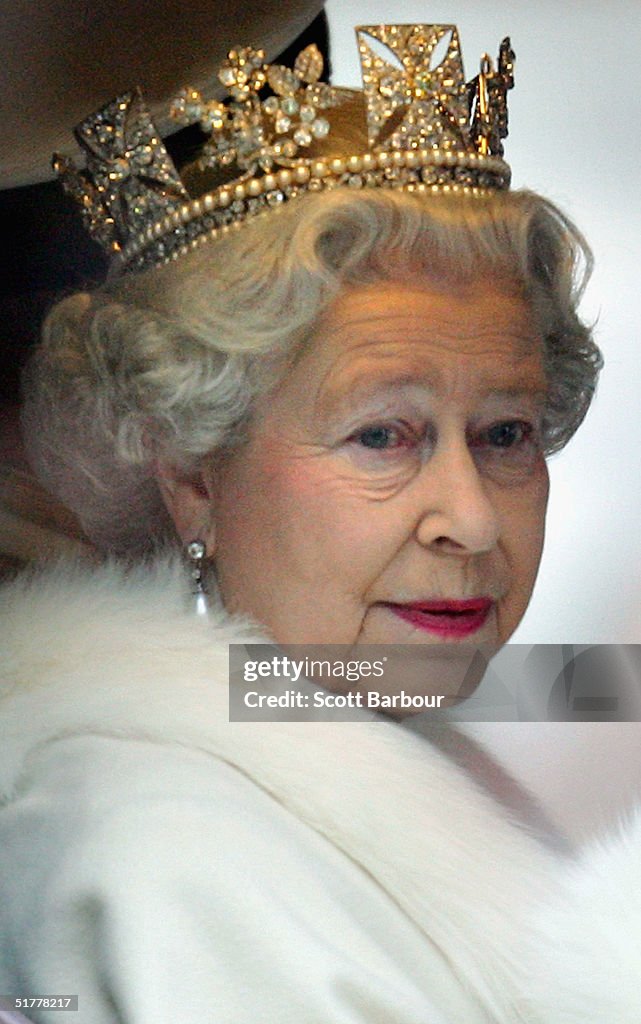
196	551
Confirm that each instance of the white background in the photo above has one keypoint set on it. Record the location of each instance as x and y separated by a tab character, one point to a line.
575	124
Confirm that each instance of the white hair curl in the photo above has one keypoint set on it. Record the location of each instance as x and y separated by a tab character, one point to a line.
167	364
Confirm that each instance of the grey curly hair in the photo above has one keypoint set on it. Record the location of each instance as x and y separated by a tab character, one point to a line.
167	364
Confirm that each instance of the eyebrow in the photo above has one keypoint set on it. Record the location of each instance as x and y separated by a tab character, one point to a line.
364	388
521	389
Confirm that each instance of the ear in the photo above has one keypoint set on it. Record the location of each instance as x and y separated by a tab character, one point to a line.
188	499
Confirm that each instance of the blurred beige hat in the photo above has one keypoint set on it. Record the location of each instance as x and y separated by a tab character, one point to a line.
63	59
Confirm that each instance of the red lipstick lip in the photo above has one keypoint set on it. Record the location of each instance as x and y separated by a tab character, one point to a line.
453	619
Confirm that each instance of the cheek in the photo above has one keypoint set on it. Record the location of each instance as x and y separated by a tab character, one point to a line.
326	516
314	523
538	507
524	516
524	532
283	507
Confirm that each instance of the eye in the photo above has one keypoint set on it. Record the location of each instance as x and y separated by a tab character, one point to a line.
384	437
509	434
509	446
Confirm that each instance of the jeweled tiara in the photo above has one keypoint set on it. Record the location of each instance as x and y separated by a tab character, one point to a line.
278	135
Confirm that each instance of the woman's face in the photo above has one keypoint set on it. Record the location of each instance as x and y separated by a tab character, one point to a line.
393	487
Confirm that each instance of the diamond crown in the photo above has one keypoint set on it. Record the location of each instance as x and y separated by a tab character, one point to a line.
278	135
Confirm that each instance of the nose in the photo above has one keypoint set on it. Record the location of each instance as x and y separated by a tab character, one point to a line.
459	515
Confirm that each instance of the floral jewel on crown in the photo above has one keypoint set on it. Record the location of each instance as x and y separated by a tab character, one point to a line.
424	127
258	134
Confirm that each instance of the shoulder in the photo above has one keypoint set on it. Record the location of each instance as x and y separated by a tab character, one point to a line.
105	649
70	610
55	619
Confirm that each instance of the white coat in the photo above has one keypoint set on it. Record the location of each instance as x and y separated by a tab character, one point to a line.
165	864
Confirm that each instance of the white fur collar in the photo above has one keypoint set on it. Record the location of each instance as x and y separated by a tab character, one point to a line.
107	653
583	958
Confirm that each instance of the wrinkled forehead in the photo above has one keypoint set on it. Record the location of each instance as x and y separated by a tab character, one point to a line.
494	306
399	334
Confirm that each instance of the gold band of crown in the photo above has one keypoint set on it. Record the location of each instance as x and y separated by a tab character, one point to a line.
424	128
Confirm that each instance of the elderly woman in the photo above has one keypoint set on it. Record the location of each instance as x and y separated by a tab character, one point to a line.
339	402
